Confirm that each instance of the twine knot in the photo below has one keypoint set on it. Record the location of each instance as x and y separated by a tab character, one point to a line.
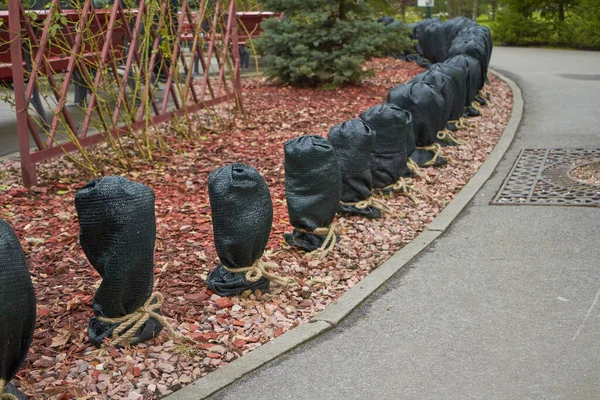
374	202
131	323
413	167
475	105
447	136
260	269
437	153
404	186
3	394
328	244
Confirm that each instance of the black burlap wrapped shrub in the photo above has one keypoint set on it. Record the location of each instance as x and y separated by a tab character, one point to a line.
313	189
117	234
242	215
474	46
389	158
458	78
473	72
436	41
353	142
457	25
426	106
17	309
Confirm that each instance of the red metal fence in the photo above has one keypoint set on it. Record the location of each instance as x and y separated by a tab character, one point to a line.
127	65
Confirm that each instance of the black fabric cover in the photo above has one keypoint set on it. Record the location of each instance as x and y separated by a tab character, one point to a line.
242	215
473	72
443	84
388	159
117	234
353	142
17	307
313	188
425	104
458	78
427	107
472	45
419	29
457	25
436	41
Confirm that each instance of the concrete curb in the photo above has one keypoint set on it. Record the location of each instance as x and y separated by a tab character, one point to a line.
339	310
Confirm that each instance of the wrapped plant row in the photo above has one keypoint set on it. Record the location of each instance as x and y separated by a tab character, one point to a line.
362	159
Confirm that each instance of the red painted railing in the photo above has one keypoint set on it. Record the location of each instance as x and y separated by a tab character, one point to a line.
96	49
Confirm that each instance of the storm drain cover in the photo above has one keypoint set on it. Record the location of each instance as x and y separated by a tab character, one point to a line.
543	177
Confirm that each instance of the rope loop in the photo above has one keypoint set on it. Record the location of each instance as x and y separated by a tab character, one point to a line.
437	153
413	167
328	244
447	136
4	395
404	186
131	323
374	202
259	270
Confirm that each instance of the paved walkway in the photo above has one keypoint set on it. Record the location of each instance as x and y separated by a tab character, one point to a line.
504	307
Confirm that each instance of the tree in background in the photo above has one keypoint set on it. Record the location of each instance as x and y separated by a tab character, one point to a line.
325	42
556	22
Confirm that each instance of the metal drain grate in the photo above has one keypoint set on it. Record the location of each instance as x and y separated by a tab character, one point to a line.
543	177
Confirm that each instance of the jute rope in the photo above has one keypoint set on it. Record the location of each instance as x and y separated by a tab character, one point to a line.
437	152
372	202
475	105
458	123
485	94
260	269
463	122
131	323
403	185
414	168
3	394
447	136
328	243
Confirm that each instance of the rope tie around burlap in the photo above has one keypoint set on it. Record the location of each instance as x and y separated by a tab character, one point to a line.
458	123
372	202
3	394
328	244
484	94
259	270
404	186
436	148
414	168
131	323
475	105
446	136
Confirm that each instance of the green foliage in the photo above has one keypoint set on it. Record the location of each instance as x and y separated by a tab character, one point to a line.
573	23
324	42
585	24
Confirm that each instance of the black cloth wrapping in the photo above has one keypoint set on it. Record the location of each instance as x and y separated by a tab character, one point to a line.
426	106
313	188
458	78
17	307
419	29
458	24
388	159
473	73
117	234
353	142
436	41
443	84
473	45
242	215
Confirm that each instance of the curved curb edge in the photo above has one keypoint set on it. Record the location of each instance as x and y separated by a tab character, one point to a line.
337	311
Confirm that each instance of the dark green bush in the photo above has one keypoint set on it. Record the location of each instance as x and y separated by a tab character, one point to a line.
585	24
513	28
325	42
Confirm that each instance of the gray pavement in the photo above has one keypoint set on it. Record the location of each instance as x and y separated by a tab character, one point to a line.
504	305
